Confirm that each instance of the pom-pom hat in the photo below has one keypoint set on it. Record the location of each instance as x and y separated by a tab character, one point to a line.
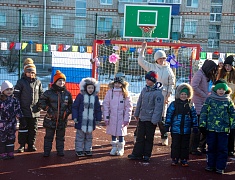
29	65
119	80
229	60
221	60
5	85
58	75
152	76
159	54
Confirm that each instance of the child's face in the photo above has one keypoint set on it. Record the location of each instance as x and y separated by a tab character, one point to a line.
183	96
60	83
117	85
90	89
30	74
228	67
8	92
149	83
221	64
220	91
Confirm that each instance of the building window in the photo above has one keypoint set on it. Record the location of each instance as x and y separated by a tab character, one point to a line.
104	24
217	2
121	27
176	23
192	3
30	20
80	30
166	1
106	2
216	13
57	22
2	19
80	10
190	26
133	0
213	36
56	0
234	28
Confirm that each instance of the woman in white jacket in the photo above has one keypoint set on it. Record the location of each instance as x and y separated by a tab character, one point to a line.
165	76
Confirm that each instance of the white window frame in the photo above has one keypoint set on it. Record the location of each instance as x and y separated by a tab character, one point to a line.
31	18
216	14
219	3
4	23
211	41
79	9
212	45
175	27
57	21
105	28
193	4
188	32
143	1
80	30
105	2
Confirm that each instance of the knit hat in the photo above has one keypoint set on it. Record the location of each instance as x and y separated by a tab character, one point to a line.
119	80
5	85
159	54
29	65
229	60
220	84
185	90
152	76
58	75
221	60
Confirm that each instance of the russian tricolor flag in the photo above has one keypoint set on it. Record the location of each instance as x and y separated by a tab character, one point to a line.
74	65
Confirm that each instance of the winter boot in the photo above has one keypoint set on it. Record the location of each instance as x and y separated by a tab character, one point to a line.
10	155
21	148
120	148
113	152
3	156
165	142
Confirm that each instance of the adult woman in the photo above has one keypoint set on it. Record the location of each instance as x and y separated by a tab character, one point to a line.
165	76
228	74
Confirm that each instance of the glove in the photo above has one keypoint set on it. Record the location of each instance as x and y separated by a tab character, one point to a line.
35	109
75	120
203	130
125	123
23	123
167	129
195	130
97	123
106	123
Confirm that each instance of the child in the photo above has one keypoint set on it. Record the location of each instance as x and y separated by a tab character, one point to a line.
216	120
57	101
181	116
9	113
117	114
86	113
28	90
148	112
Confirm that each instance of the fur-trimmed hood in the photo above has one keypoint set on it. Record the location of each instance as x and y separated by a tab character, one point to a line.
89	81
125	85
182	86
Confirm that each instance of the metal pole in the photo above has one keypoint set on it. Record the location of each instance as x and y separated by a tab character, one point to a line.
44	33
96	21
20	37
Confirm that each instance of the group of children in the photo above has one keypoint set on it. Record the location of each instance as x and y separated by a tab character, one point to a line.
216	118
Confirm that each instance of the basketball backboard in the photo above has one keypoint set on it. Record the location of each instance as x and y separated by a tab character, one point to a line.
147	15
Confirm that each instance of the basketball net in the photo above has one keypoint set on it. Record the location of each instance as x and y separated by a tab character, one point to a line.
147	30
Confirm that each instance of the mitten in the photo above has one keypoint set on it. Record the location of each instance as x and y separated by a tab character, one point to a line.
97	123
23	123
106	123
167	129
125	123
35	109
75	120
195	130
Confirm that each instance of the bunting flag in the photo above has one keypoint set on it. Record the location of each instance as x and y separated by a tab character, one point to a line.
60	47
209	55
18	46
202	55
124	48
149	50
45	47
3	46
116	48
12	44
82	49
39	47
74	65
74	48
53	47
89	49
132	49
66	47
24	45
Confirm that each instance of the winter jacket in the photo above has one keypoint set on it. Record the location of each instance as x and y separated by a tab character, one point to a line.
9	113
117	110
28	92
217	113
150	104
181	115
57	102
200	86
86	108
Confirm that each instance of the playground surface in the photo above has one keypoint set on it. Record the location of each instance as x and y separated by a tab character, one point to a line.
103	166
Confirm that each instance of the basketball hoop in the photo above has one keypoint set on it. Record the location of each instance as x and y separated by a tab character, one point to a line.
147	30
